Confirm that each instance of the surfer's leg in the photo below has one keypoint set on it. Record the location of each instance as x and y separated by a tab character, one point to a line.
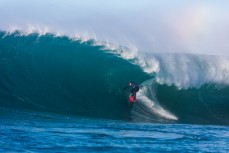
134	93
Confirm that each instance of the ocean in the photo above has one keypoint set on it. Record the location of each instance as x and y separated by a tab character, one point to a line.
61	94
44	132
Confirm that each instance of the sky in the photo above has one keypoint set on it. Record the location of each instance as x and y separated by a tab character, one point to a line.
192	26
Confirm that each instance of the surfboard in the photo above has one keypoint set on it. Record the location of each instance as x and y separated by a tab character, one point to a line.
132	99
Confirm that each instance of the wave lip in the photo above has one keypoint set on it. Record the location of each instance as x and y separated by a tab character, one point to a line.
182	70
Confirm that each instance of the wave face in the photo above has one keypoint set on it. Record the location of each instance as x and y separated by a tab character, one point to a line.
62	75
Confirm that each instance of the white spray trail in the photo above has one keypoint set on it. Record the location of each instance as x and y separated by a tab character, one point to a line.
152	105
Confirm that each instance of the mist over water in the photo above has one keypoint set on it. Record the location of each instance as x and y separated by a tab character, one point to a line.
199	27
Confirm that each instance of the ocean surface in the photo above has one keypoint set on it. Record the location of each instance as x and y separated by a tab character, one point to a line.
60	94
42	132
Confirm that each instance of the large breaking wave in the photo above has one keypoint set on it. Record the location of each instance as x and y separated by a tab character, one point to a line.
86	78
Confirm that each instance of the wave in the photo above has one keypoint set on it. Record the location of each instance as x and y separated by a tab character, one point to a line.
60	74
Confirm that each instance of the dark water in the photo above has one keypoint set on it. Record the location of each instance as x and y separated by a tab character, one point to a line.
64	95
40	132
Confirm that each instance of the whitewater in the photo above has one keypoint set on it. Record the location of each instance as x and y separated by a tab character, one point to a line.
64	67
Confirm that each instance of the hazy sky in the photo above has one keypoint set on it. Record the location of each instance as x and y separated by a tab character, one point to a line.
192	26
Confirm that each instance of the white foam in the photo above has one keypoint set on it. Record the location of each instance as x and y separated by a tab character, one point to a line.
43	30
182	70
187	71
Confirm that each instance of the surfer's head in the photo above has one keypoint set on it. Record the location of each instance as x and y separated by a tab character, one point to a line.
130	83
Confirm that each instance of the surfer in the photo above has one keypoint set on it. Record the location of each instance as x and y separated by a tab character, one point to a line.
134	89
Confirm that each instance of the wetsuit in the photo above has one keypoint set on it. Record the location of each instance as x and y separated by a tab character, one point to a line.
134	89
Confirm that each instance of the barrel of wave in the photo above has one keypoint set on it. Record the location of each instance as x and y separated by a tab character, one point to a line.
147	107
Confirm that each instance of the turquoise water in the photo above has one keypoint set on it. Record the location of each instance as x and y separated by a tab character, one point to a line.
58	94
